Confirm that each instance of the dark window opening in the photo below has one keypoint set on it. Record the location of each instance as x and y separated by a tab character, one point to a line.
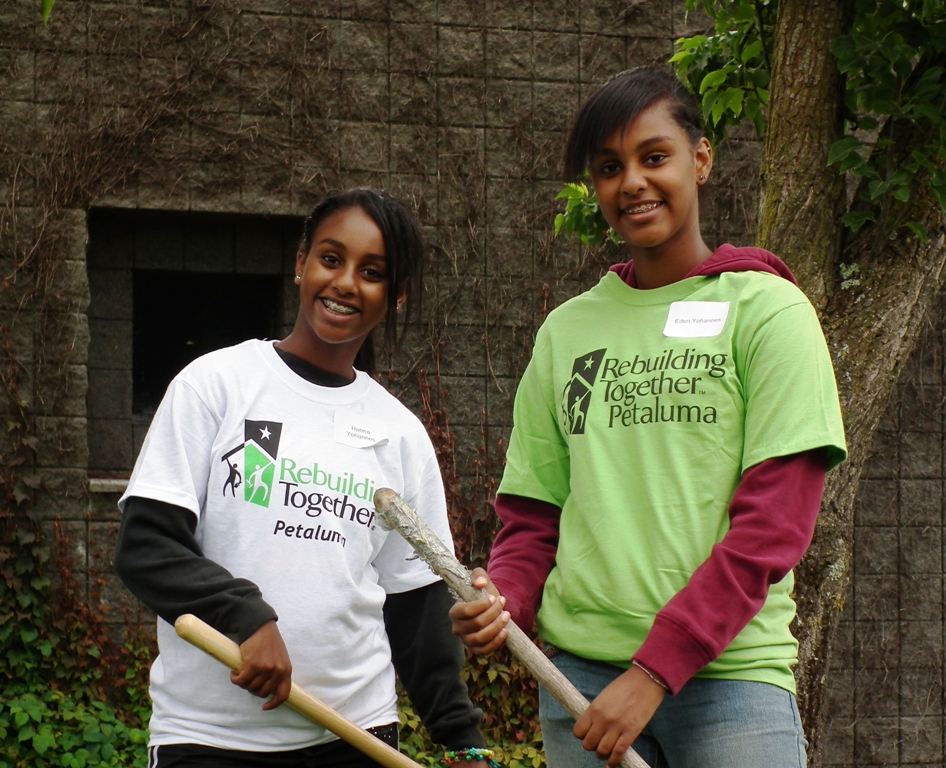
165	288
179	316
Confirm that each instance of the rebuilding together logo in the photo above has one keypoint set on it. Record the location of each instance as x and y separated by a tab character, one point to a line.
260	449
632	389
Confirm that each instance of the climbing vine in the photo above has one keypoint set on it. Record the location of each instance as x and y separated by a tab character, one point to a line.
893	60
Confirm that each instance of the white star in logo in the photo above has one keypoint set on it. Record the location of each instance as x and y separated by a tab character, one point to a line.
265	433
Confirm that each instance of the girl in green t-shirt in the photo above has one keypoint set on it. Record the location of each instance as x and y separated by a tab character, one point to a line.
682	643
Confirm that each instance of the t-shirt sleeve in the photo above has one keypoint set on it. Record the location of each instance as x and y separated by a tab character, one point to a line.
537	460
174	463
791	394
399	567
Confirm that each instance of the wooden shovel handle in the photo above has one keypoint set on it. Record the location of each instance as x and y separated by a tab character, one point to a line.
222	648
397	514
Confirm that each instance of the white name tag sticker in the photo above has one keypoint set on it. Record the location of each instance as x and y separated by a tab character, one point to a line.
359	431
696	319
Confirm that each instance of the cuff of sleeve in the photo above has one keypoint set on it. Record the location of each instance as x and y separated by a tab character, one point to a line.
673	653
248	615
469	738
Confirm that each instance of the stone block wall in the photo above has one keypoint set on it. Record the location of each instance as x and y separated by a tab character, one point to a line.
886	684
254	109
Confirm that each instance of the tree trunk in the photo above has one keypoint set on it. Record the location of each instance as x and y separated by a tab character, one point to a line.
801	198
871	330
871	327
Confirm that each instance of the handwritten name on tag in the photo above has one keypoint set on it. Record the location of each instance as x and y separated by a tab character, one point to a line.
696	319
359	431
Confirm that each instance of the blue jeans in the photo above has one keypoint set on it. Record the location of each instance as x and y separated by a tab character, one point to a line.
708	724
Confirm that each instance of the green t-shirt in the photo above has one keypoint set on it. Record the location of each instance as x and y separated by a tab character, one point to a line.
637	415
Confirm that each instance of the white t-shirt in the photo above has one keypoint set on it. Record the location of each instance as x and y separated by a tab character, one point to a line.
281	474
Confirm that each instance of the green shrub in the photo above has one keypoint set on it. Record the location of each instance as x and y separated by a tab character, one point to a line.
69	697
507	695
53	729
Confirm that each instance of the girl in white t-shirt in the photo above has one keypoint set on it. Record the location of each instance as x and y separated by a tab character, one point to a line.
250	503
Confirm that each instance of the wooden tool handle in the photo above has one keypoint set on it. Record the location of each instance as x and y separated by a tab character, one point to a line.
222	648
397	514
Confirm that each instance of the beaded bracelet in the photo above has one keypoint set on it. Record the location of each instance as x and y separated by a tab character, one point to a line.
456	757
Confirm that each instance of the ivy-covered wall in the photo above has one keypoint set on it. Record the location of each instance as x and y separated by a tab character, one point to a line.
257	108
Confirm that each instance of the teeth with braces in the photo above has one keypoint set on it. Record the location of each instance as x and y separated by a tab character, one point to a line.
641	208
339	307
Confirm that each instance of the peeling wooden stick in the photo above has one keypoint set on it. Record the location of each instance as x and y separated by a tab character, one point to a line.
398	515
223	649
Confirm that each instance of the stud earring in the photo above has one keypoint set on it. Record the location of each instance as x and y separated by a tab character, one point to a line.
298	279
702	177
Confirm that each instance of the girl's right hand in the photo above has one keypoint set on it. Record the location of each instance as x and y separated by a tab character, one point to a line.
267	670
481	624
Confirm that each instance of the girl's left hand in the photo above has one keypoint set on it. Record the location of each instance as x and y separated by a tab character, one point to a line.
267	670
614	720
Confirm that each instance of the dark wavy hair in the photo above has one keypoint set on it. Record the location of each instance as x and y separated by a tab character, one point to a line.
403	249
621	99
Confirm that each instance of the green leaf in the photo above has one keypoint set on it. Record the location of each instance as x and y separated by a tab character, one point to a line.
559	220
582	217
918	229
854	163
843	48
751	51
854	220
709	101
877	189
718	108
712	80
842	148
859	167
572	192
47	9
44	739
